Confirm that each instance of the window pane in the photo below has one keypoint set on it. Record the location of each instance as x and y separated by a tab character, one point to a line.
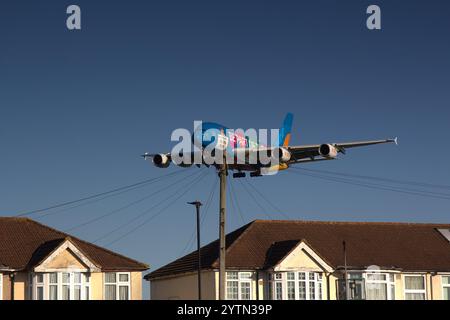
301	276
123	292
355	275
110	277
245	290
232	275
87	293
319	290
246	275
87	277
445	280
291	276
65	292
391	277
376	276
53	294
77	292
356	288
278	276
53	277
376	291
291	290
39	278
414	283
123	277
312	290
415	296
392	292
446	293
302	290
278	291
77	277
66	277
232	290
110	292
40	293
311	276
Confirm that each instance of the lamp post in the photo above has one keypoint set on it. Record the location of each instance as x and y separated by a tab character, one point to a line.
197	205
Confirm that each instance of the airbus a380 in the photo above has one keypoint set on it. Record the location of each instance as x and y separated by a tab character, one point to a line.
236	144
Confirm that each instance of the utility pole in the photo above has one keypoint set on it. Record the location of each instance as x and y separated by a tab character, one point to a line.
197	205
222	244
347	287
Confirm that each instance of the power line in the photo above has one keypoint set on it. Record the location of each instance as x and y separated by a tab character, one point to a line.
373	186
127	205
266	199
59	205
100	199
404	182
255	200
145	212
158	213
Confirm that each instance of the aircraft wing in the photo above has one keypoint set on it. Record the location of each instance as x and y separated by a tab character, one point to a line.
312	151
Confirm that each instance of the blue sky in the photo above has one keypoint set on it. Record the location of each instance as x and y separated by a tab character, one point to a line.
78	108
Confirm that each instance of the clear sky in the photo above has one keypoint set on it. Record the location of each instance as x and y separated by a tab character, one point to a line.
77	108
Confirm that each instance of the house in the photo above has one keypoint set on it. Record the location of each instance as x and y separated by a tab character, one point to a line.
40	263
304	260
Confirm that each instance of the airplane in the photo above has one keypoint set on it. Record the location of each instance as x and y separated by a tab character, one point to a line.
237	143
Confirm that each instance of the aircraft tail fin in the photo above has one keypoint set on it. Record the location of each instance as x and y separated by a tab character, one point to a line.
285	130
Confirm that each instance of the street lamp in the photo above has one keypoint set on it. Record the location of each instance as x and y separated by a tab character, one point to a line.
197	205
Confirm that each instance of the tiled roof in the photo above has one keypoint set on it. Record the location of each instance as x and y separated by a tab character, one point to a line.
25	242
262	243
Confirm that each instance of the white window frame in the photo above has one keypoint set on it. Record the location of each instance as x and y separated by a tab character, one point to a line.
387	282
424	290
240	280
46	284
281	277
445	285
118	284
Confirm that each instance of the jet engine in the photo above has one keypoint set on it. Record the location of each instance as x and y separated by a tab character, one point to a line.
161	160
328	151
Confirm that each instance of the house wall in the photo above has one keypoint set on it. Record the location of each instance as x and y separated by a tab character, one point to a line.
136	285
6	287
97	285
20	286
437	287
184	287
332	288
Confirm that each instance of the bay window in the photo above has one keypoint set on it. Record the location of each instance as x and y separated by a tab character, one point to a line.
446	287
60	286
239	285
296	286
117	286
415	287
